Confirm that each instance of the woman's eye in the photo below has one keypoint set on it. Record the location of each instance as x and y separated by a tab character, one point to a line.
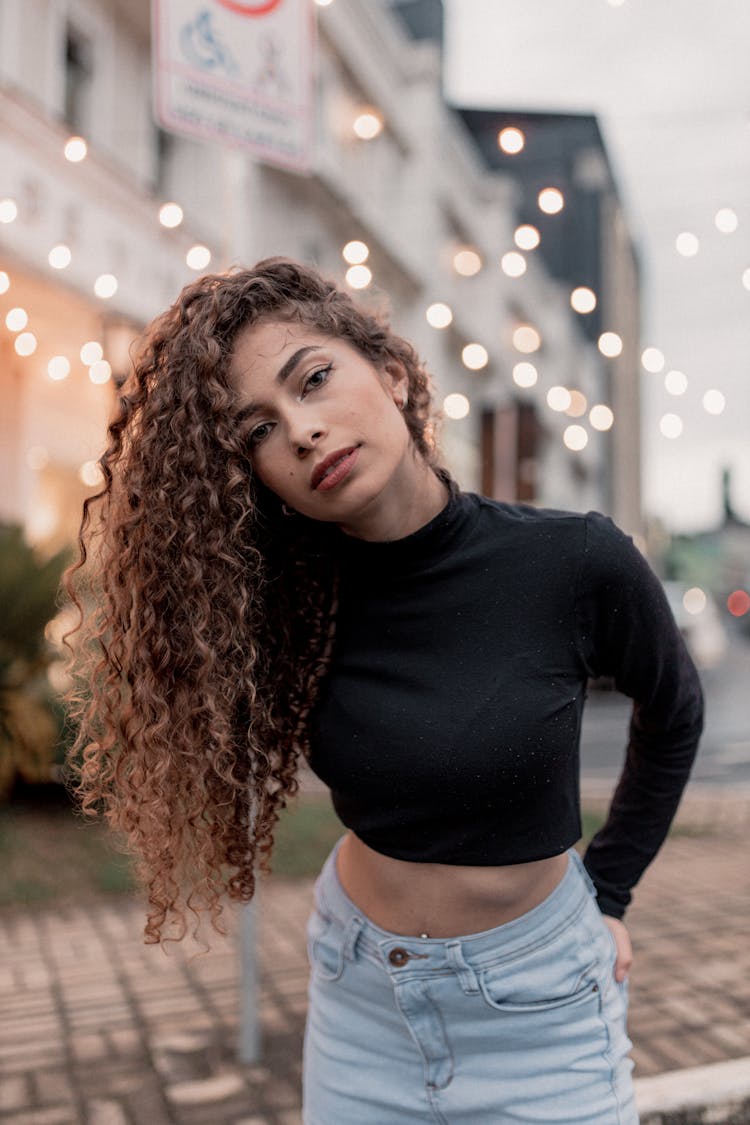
257	435
317	378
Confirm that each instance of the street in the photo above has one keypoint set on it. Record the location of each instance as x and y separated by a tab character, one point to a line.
724	754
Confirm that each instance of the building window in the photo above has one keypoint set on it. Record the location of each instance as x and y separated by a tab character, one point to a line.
79	72
163	149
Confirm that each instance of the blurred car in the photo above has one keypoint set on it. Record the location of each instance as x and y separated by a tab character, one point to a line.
699	620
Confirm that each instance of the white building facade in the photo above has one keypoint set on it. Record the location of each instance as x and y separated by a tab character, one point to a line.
416	194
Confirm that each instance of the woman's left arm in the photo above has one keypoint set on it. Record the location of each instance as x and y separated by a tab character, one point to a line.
627	631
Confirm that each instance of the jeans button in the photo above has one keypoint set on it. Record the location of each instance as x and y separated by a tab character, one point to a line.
398	957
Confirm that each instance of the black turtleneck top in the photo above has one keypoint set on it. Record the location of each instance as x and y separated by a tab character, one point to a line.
448	729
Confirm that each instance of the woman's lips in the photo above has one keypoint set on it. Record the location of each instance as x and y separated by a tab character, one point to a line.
339	471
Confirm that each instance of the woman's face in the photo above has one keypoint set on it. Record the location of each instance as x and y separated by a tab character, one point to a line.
308	400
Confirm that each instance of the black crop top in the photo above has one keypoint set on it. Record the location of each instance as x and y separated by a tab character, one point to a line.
448	729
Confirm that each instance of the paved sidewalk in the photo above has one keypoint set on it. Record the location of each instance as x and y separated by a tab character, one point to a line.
99	1029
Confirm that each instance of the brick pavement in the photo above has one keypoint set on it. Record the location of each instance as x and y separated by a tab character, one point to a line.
102	1030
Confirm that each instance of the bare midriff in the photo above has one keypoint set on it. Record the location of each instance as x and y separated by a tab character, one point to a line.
438	899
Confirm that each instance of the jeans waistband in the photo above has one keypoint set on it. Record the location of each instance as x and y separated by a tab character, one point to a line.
520	935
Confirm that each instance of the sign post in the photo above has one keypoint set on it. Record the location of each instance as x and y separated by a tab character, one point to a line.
237	72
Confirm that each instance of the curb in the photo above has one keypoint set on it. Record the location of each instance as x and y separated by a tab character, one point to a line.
717	1094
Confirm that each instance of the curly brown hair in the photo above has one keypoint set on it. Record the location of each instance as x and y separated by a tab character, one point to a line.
205	614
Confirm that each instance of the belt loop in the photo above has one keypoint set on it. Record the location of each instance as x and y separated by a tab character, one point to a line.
353	931
466	975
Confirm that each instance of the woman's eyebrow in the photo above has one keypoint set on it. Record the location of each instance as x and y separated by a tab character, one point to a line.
282	375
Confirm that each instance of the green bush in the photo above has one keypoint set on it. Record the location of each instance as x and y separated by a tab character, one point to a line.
31	720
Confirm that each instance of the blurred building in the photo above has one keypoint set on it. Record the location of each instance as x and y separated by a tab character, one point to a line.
84	255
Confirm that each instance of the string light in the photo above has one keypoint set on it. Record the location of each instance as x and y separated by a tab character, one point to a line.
90	473
746	279
355	252
439	315
653	360
4	282
105	286
526	237
675	382
25	343
75	149
583	299
16	319
100	372
526	339
558	398
358	277
58	367
601	417
513	264
59	257
610	344
525	374
198	257
687	244
726	220
551	200
456	406
694	600
575	438
368	124
91	352
475	357
738	603
511	140
8	210
578	404
170	215
714	402
467	262
671	425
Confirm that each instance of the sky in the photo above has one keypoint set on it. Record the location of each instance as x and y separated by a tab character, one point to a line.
669	81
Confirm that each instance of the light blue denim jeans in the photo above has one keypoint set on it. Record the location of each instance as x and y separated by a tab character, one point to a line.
523	1023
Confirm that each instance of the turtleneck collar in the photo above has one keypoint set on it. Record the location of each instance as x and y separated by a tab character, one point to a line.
429	543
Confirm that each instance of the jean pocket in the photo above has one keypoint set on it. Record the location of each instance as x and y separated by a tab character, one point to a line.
325	947
506	997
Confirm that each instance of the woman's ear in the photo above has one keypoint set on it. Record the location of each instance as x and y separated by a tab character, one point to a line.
397	382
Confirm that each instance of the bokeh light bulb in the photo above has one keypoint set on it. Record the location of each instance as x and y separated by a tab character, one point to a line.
170	214
8	210
467	262
59	257
525	374
610	344
714	402
16	319
475	357
511	140
583	299
75	149
671	425
456	406
513	264
551	200
558	398
358	277
439	315
526	339
687	244
91	352
58	367
105	285
25	343
198	257
526	237
575	438
675	382
601	417
355	252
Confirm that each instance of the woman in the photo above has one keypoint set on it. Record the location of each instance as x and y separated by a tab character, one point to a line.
279	567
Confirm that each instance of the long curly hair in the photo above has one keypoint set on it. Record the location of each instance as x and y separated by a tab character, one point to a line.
205	615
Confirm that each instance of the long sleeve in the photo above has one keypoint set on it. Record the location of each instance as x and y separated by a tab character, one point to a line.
627	631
